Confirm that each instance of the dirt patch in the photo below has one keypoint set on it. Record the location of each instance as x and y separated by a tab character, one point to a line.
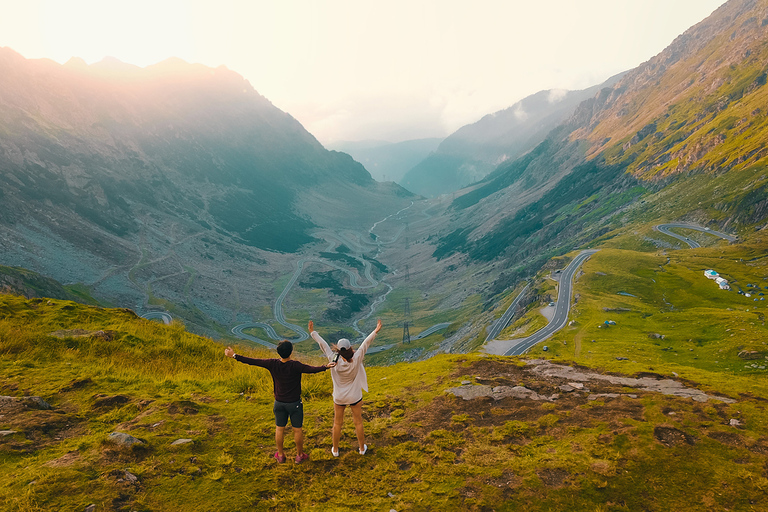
183	407
135	422
82	333
109	402
669	436
77	384
728	438
760	446
40	429
553	477
68	459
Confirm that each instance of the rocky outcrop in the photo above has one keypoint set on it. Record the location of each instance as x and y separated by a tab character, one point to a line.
27	402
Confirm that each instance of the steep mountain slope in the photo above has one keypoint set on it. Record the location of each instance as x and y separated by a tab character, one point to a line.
475	150
388	161
102	137
696	108
175	180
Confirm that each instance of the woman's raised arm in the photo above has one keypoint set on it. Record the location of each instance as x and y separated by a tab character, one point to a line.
320	341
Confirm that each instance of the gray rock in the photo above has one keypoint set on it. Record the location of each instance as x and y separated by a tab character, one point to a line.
122	439
470	392
131	478
181	441
497	393
567	388
665	386
7	432
734	422
90	508
32	402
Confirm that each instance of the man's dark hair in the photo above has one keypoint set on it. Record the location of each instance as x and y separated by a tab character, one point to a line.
285	349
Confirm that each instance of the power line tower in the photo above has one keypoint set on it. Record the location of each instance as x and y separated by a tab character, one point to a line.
407	314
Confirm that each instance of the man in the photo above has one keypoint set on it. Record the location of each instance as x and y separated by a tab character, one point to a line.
286	379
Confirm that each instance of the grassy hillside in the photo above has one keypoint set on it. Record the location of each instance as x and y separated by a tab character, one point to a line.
429	450
665	293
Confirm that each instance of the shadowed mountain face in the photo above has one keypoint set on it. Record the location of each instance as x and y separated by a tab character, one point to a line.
473	151
108	140
684	133
139	180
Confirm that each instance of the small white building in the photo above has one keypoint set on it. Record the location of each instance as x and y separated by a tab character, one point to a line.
711	274
722	283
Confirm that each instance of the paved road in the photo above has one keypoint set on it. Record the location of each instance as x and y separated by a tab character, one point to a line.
502	322
158	315
238	331
560	318
562	307
431	330
665	228
422	334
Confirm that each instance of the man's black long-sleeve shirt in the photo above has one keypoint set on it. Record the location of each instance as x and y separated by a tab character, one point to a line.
286	376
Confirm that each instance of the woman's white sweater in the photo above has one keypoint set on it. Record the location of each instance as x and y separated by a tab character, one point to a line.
349	378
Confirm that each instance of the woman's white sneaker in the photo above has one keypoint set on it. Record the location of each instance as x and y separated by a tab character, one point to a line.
365	449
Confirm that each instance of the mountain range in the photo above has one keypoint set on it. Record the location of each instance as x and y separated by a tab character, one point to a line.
171	177
179	186
179	189
388	161
693	113
473	151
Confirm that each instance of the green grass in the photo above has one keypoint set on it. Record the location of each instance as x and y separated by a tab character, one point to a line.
428	450
704	328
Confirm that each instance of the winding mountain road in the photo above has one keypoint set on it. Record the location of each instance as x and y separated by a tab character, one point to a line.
238	331
166	318
354	282
666	229
502	322
562	309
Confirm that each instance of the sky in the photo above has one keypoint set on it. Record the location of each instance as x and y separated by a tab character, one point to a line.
352	70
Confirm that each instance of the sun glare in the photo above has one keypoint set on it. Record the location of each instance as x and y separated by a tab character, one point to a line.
140	32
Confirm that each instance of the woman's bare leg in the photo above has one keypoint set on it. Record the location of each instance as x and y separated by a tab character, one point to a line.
357	417
338	422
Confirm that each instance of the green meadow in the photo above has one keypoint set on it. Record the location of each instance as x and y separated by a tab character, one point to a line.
105	370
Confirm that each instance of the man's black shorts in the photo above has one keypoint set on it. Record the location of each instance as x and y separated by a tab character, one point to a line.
294	410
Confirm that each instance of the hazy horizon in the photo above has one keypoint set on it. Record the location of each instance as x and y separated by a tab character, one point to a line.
353	71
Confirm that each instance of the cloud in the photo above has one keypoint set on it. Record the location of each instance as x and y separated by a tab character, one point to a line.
520	113
556	95
394	118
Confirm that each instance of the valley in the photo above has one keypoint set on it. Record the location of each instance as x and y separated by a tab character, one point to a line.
582	326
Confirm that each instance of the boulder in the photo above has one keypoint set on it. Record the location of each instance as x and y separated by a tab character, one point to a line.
31	402
122	439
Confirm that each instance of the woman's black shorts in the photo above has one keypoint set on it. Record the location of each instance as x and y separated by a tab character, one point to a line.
294	410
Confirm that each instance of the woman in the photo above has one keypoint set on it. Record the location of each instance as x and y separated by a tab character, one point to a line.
349	381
